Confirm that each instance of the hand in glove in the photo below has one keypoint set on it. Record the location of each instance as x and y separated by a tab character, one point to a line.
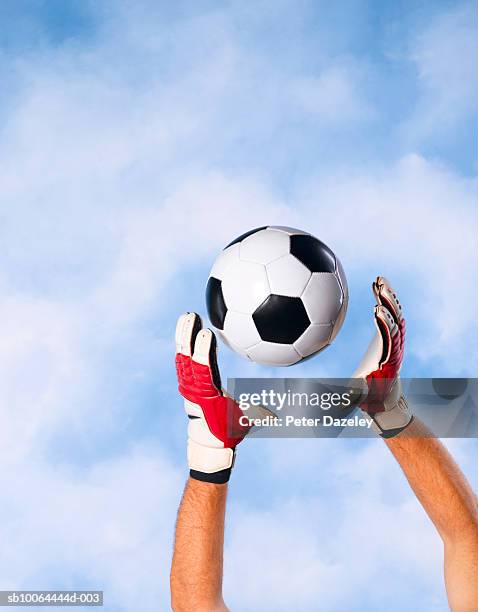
214	430
381	392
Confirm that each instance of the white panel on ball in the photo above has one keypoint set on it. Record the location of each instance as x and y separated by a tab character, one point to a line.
270	353
245	287
341	276
240	329
264	246
224	261
223	337
315	338
239	351
291	231
287	276
229	344
340	319
323	297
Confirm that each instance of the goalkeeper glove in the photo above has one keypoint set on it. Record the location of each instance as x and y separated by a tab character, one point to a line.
214	429
380	388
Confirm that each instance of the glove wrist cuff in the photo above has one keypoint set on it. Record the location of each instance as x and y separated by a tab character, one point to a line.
391	433
205	462
220	477
391	422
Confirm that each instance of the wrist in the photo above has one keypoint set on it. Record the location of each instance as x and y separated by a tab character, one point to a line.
216	478
386	406
210	464
206	488
391	432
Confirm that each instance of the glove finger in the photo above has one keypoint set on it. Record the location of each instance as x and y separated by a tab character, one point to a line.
179	331
387	329
386	296
187	328
205	354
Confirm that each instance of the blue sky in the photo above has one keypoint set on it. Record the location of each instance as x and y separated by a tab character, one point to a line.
137	138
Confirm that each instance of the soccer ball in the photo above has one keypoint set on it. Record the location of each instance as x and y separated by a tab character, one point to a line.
277	295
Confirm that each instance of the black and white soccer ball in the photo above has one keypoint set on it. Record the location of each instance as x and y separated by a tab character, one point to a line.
277	295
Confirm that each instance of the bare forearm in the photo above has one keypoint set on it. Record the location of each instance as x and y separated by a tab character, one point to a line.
450	503
436	480
196	573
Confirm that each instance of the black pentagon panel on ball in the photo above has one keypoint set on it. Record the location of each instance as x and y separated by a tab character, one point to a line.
312	253
216	306
242	236
281	319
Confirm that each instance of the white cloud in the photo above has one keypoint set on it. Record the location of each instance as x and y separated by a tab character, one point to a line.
110	185
108	526
416	223
333	96
445	54
354	535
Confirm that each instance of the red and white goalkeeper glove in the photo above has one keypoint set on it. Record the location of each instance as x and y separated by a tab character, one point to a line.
214	429
381	390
